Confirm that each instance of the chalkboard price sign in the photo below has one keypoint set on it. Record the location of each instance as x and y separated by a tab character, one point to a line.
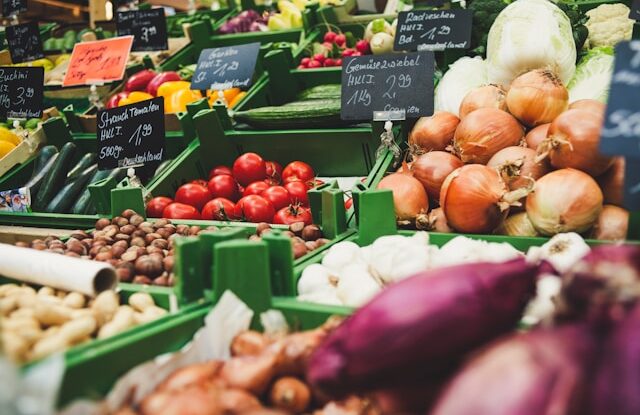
21	92
132	135
621	131
635	10
13	7
149	28
24	42
433	30
396	82
226	67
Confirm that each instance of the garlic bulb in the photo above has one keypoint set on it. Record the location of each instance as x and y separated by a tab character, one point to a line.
562	251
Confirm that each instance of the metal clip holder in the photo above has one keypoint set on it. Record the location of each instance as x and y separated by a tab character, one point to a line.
387	139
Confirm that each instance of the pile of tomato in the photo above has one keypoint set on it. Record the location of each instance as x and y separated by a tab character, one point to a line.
252	190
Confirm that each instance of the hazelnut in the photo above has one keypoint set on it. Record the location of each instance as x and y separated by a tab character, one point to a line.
136	220
56	250
145	224
128	213
160	223
125	271
104	256
111	231
22	244
87	243
122	237
194	230
113	262
182	229
50	239
154	250
296	227
94	251
129	256
149	265
79	235
138	233
164	232
160	243
168	263
289	234
172	228
311	233
128	229
255	238
322	241
120	221
117	251
39	246
138	241
212	228
162	281
72	254
151	237
77	248
299	250
262	226
141	279
311	245
123	244
146	229
102	223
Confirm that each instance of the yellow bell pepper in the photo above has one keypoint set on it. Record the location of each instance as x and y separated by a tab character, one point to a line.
169	88
229	95
178	101
135	96
237	99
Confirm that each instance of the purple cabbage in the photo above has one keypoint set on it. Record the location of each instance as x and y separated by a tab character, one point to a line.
423	324
542	372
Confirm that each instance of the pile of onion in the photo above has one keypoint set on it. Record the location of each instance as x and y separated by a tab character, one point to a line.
612	224
409	197
612	183
565	200
487	96
433	133
537	135
484	132
573	141
537	97
474	199
432	168
590	105
517	224
435	221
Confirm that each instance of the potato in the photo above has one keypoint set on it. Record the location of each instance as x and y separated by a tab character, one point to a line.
8	304
122	320
79	328
49	345
46	292
14	346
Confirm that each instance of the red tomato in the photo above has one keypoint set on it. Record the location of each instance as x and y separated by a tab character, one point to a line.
200	182
278	196
180	211
219	209
249	168
224	186
192	194
292	214
157	205
297	171
274	171
255	188
348	203
297	193
254	208
218	170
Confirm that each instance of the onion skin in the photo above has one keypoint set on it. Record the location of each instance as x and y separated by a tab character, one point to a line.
484	132
590	105
537	135
481	301
565	200
573	141
612	183
537	97
516	164
435	132
487	96
409	197
432	168
471	199
544	371
612	224
517	225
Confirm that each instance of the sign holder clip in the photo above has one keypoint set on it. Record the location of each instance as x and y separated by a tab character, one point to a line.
387	139
94	97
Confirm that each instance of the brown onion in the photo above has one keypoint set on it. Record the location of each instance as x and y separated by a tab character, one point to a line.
517	225
612	183
590	105
537	135
565	200
409	197
432	168
612	224
537	97
484	132
435	132
474	199
435	221
573	141
487	96
518	166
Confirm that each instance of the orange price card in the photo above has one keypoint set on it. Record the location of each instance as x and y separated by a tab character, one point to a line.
100	61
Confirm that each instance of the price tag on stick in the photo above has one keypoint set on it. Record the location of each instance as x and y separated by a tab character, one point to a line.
433	29
13	7
98	62
132	135
24	42
621	131
21	92
148	27
396	82
226	67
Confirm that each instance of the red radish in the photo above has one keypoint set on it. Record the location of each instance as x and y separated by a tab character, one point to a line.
338	62
314	64
329	62
319	57
305	61
347	52
302	67
330	37
356	53
363	47
340	39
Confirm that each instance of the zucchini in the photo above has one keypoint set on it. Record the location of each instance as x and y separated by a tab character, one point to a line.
330	91
306	114
36	181
55	177
65	197
86	161
44	156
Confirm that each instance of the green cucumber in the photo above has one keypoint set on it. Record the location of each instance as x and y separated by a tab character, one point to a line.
65	197
306	114
86	161
330	91
55	177
84	205
36	181
44	156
